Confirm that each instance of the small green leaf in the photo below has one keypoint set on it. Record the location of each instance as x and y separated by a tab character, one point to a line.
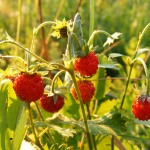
104	62
111	40
55	97
108	66
146	123
113	55
140	51
64	132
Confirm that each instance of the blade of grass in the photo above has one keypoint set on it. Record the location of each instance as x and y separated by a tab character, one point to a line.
18	25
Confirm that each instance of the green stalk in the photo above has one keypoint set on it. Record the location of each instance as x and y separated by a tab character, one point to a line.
25	49
33	128
41	25
54	79
112	142
91	18
18	25
49	133
89	116
146	72
95	33
82	109
134	56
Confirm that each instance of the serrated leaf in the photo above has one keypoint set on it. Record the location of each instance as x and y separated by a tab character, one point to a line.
64	132
108	66
77	29
104	62
113	55
3	111
109	124
20	127
111	40
146	123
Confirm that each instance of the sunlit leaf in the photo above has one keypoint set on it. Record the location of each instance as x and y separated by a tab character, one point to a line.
3	111
140	51
111	40
20	127
109	124
104	62
113	55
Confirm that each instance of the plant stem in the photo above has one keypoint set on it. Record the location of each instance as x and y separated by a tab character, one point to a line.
49	133
54	79
134	56
91	18
112	142
25	49
18	25
82	109
89	116
33	128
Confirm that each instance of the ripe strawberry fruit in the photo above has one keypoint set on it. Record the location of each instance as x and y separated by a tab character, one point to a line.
86	88
141	108
47	103
88	65
28	87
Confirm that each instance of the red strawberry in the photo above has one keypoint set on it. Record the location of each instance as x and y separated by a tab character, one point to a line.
47	103
87	90
141	108
88	65
28	87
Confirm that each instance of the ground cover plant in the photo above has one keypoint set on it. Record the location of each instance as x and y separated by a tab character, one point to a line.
73	103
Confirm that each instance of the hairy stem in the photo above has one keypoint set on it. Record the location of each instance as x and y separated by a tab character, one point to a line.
49	133
89	116
82	109
134	56
33	128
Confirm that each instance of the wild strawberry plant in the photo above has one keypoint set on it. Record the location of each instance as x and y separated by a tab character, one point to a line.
58	121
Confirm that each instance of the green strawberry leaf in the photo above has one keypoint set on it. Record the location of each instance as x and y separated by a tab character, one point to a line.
110	124
104	62
77	29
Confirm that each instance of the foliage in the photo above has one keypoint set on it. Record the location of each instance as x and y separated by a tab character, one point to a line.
107	115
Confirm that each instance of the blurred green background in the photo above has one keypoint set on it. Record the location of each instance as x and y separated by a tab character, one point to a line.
126	16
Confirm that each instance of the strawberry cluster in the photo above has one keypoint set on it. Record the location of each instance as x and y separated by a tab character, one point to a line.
28	88
48	104
86	88
86	66
141	108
